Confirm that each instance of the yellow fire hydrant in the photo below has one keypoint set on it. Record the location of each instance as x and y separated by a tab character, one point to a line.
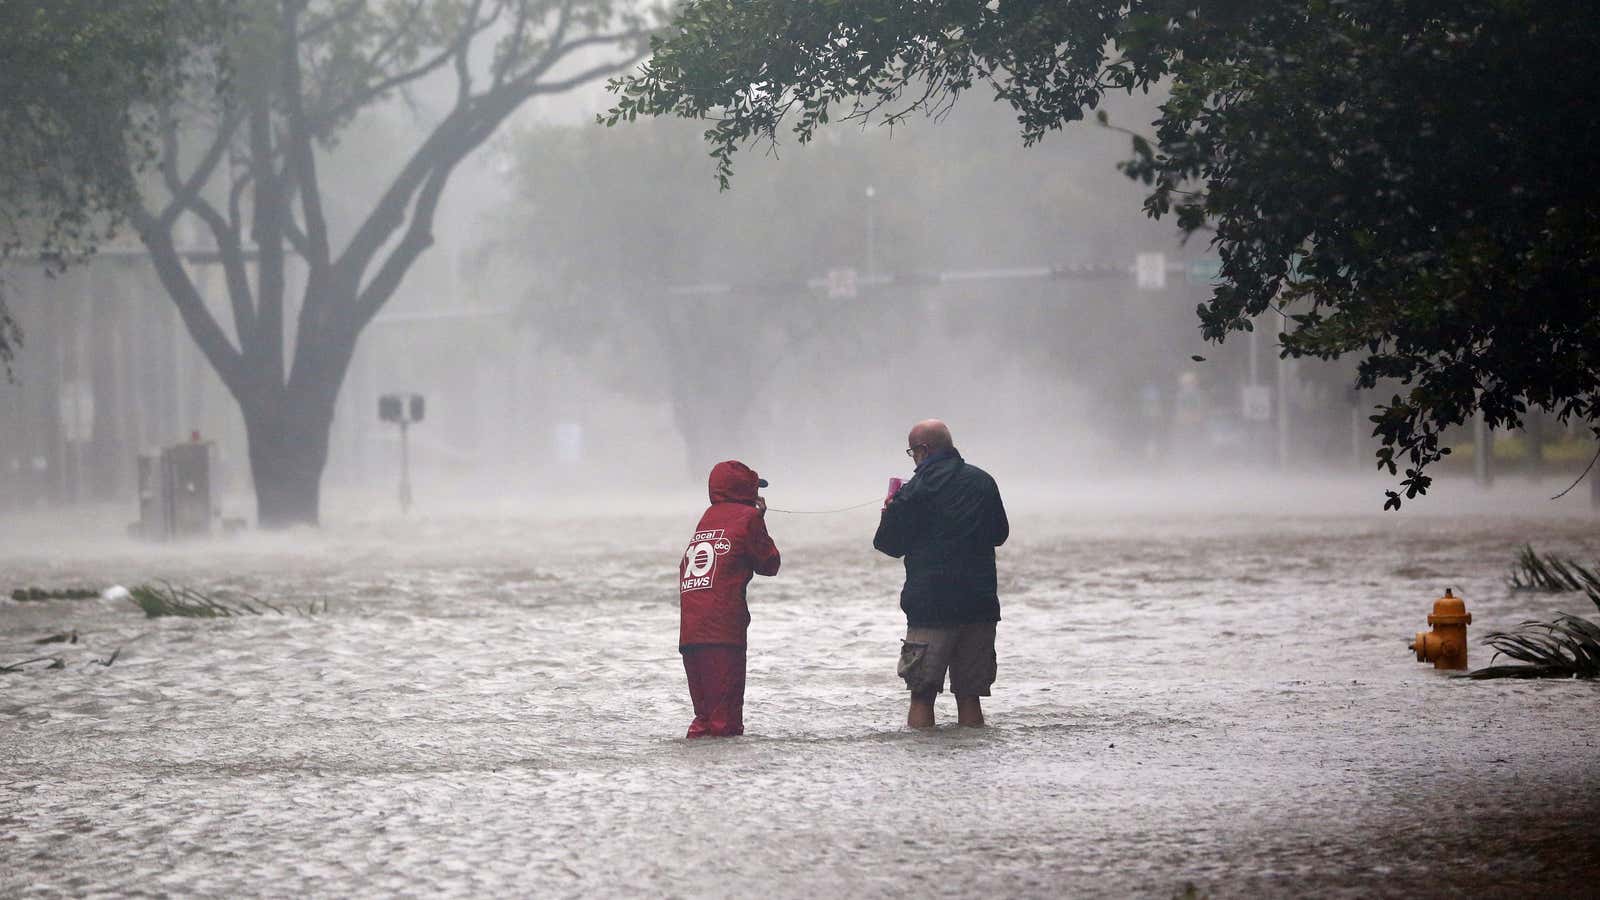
1446	645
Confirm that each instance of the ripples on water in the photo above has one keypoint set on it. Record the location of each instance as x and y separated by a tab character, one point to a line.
495	708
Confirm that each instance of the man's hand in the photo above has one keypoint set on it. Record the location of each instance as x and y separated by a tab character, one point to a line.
761	505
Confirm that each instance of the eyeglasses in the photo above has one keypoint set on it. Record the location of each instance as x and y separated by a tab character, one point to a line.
912	450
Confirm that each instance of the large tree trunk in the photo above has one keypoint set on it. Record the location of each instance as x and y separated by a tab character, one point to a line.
288	431
287	454
273	125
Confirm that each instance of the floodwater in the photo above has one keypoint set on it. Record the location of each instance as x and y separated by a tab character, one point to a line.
494	706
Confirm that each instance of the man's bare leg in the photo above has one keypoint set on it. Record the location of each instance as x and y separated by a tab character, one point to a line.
921	714
969	712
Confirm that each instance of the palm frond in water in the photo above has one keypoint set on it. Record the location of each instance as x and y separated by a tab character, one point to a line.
36	594
174	600
1568	647
1531	572
55	662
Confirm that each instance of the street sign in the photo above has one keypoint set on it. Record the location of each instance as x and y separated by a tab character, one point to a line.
1204	271
402	409
1150	271
1256	402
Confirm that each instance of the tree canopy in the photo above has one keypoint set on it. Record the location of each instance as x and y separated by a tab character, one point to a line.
75	74
242	164
1411	182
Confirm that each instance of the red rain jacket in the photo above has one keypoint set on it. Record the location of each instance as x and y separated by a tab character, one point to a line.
730	545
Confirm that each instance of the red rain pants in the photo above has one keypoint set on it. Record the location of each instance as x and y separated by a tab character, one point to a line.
716	685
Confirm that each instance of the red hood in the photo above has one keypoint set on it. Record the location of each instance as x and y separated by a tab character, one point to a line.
733	482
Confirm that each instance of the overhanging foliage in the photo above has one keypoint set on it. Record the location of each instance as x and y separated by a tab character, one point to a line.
1411	182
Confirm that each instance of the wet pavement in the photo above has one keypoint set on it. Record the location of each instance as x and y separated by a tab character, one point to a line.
494	705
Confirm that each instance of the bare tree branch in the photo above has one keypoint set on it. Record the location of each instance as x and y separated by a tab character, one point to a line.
380	58
300	156
235	195
528	81
231	251
589	74
519	29
297	238
182	190
340	16
325	120
484	110
269	211
213	342
463	54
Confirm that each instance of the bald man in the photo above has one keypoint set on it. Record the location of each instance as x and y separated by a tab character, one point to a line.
945	522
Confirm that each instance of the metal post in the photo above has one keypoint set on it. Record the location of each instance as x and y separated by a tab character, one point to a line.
405	468
1533	439
1594	489
1355	431
1482	450
1283	398
1255	364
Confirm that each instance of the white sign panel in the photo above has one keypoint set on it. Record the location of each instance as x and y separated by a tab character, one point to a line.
841	283
1150	271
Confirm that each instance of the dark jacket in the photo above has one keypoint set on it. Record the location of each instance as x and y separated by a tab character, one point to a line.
729	545
946	522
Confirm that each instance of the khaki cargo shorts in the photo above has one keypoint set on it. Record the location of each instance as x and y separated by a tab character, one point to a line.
967	651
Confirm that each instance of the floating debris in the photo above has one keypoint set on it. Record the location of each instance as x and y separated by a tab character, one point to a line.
1553	574
175	600
1568	647
37	595
55	662
65	637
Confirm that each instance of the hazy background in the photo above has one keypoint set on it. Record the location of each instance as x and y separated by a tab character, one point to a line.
597	318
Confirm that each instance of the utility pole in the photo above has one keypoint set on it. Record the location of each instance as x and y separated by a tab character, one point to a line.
1482	450
1356	454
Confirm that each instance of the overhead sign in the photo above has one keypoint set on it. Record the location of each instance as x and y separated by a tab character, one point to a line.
1150	271
1205	271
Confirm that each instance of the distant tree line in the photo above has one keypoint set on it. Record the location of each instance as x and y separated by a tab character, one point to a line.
1412	182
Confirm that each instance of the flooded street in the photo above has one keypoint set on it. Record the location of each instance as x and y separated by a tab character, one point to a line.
494	706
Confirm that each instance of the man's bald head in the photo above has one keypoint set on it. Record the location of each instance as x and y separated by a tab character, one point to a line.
930	434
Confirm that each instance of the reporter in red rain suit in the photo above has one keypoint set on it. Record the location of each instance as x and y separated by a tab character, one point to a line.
730	545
